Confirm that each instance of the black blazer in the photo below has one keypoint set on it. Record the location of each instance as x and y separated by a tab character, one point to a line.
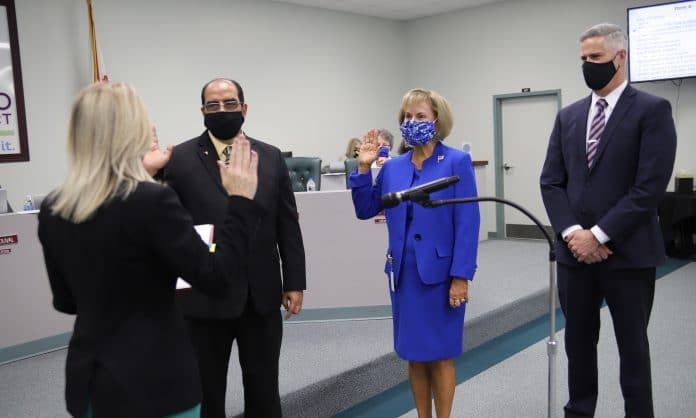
130	352
193	173
629	176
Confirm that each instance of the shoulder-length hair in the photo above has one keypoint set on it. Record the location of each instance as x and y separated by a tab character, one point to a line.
109	132
351	147
440	106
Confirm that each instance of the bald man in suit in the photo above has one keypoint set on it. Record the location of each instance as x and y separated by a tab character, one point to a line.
249	314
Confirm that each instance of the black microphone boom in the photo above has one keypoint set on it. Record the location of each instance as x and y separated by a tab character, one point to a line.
417	194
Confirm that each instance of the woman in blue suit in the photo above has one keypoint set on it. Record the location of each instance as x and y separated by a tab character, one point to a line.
432	251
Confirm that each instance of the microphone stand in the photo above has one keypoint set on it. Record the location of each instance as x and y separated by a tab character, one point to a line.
551	346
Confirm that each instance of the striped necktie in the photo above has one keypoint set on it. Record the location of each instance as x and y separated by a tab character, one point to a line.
596	130
226	153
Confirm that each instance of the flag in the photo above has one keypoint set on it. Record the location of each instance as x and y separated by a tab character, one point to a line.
97	74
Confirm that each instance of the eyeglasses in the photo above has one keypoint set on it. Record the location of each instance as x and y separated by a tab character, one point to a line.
227	105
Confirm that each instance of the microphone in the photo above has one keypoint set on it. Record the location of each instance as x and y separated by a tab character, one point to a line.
417	194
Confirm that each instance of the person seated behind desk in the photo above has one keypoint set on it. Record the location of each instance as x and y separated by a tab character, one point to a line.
352	150
385	142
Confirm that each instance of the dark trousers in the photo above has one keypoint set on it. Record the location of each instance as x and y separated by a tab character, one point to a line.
629	296
258	341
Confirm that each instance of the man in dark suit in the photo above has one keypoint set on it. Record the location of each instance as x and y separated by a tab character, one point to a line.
249	313
609	160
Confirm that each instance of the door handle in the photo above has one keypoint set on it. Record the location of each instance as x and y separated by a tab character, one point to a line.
507	166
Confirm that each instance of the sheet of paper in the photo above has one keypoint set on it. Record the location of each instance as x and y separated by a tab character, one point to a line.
206	234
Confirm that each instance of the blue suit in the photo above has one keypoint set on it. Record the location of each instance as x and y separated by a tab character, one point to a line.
620	194
627	181
442	240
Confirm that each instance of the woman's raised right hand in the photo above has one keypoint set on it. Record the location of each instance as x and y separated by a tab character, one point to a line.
240	177
368	150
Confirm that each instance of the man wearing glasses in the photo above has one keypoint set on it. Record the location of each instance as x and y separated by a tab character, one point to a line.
249	312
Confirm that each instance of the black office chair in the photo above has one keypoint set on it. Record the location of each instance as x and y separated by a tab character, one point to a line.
301	169
351	165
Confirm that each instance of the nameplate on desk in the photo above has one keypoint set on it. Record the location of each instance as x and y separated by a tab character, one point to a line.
9	239
6	241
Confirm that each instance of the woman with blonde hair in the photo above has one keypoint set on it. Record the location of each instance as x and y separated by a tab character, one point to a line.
352	149
432	251
114	243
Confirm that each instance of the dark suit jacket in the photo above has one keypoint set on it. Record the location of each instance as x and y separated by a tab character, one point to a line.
130	352
193	173
621	192
448	235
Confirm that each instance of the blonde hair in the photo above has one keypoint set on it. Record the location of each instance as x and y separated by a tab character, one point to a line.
443	113
109	132
351	147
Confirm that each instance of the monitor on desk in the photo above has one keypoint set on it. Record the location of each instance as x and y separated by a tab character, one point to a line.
334	167
36	200
4	207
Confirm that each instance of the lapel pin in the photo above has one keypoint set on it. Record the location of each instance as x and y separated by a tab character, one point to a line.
440	158
205	152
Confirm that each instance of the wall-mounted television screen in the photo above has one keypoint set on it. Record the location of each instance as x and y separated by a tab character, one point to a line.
662	41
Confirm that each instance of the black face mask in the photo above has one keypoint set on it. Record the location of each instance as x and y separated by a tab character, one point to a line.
224	125
598	75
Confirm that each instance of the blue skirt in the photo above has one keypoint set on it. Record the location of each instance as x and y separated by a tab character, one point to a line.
426	328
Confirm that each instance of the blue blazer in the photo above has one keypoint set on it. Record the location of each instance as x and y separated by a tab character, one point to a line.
628	178
448	234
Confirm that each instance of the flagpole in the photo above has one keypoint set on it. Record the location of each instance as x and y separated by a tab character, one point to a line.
96	76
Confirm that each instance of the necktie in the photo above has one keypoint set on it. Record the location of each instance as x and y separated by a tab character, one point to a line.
226	153
596	130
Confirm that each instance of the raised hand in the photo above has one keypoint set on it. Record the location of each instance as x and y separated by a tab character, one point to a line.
240	177
369	150
154	160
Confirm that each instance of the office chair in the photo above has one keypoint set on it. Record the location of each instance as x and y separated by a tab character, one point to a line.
350	165
302	169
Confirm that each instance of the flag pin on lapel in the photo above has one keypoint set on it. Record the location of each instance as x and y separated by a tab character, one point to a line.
440	158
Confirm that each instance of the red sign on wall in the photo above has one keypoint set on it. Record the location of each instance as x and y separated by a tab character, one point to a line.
9	240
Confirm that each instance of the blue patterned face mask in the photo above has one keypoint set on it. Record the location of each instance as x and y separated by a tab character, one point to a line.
418	132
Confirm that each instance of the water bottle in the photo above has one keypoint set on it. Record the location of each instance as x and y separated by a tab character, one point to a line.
28	203
311	185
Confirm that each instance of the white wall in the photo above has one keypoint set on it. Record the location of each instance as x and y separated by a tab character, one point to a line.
501	48
312	77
